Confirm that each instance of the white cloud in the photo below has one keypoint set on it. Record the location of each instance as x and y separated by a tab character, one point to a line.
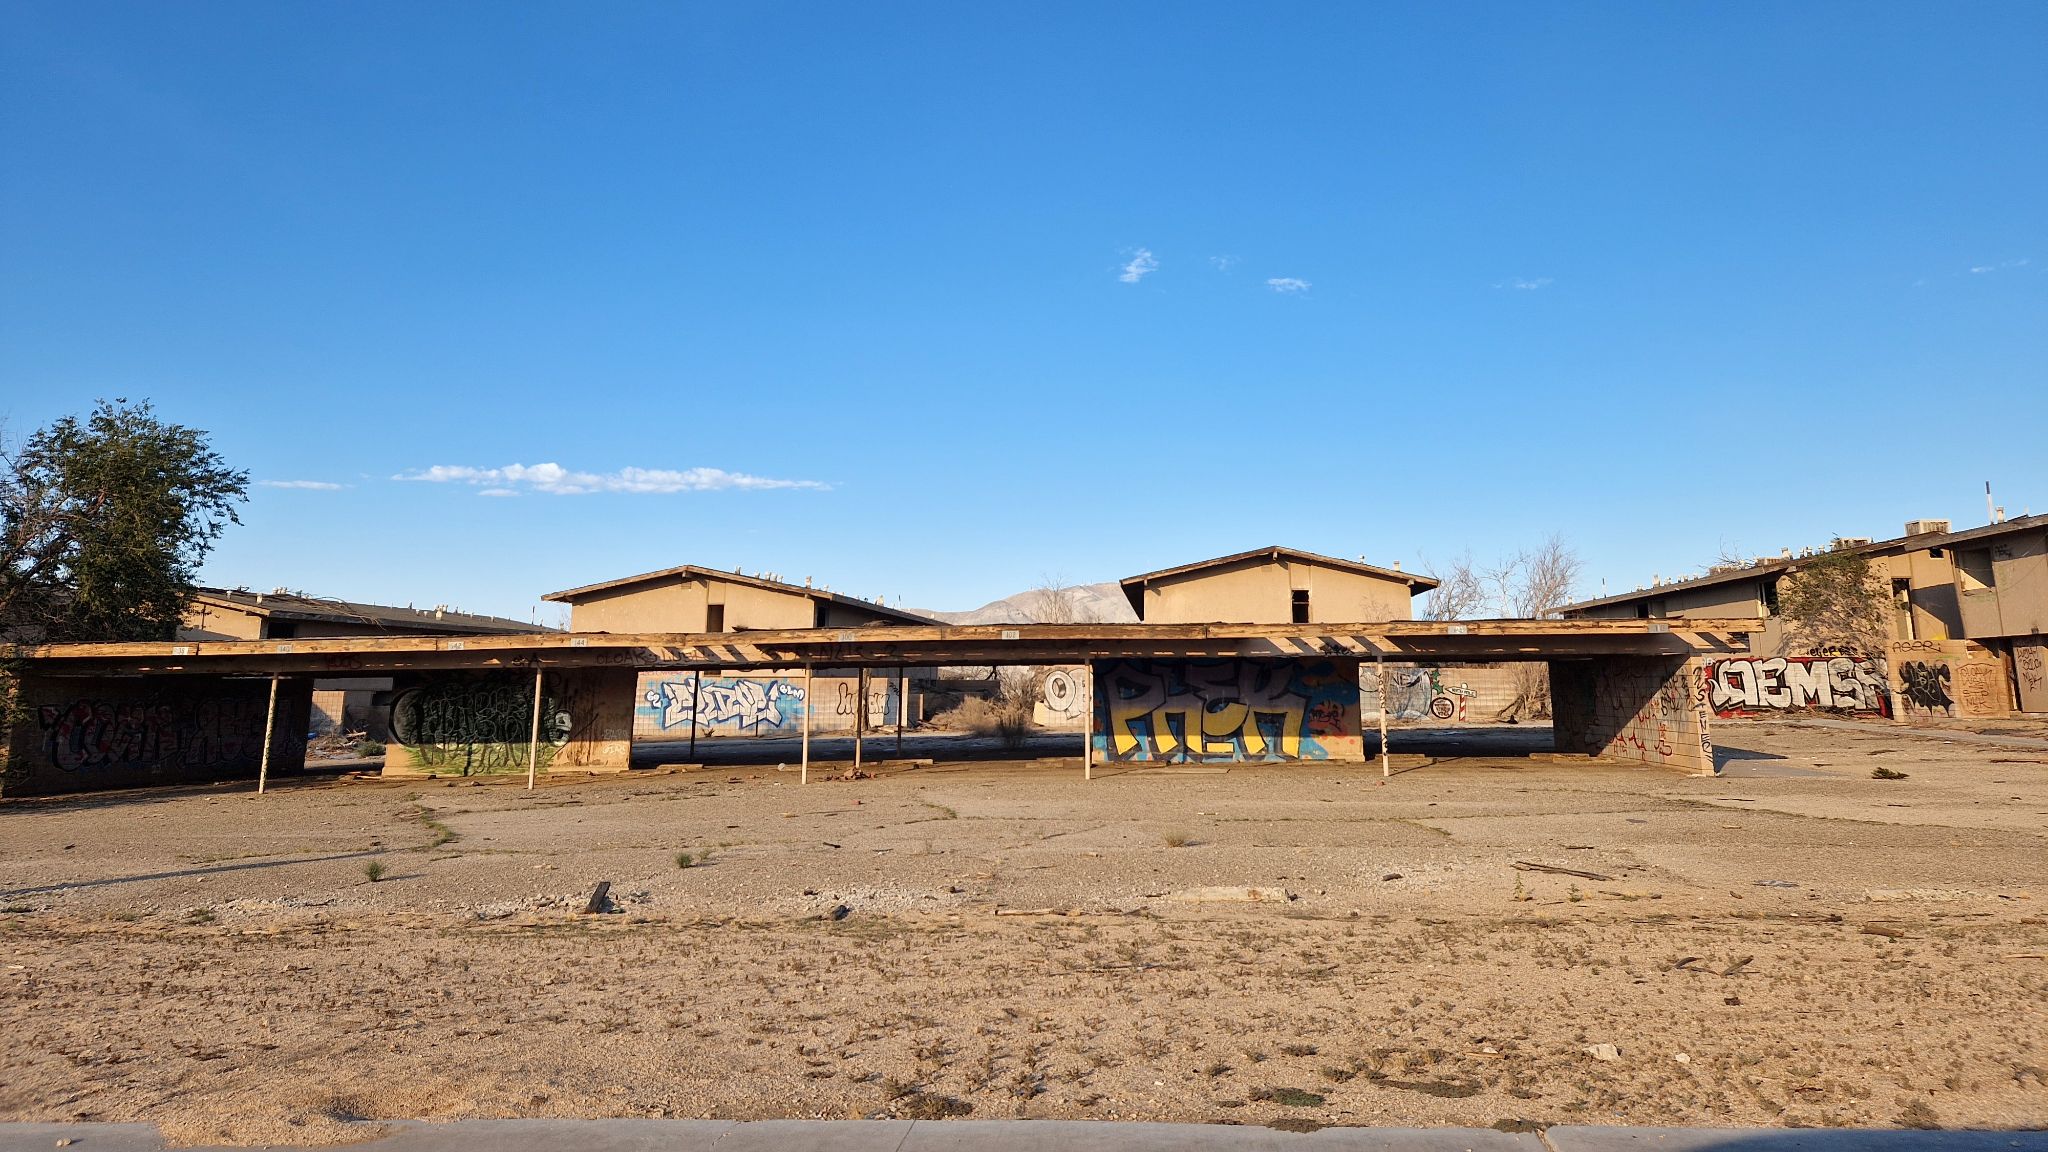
308	485
1537	284
1223	263
1287	284
557	480
1141	264
1981	269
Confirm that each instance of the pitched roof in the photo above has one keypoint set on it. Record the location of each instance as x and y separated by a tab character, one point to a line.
1783	563
693	572
1134	586
319	609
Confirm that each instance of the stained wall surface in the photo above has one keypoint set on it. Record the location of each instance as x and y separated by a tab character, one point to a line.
84	734
1227	710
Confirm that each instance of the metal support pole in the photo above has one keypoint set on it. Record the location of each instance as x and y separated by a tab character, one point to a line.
1386	761
269	726
902	704
696	698
805	777
533	735
860	713
1088	725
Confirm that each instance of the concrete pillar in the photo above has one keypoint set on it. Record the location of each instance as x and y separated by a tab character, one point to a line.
1647	709
82	734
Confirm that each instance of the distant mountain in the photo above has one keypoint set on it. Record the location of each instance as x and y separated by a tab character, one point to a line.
1097	603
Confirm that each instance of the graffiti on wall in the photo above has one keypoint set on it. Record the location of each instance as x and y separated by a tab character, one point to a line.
1224	709
1652	709
1841	683
723	702
1950	678
477	726
108	735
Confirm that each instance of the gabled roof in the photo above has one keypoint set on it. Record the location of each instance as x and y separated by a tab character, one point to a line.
693	572
1134	586
1785	563
318	609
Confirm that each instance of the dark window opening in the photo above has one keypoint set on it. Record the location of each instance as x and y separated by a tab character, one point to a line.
714	618
281	630
1300	607
1643	610
1770	588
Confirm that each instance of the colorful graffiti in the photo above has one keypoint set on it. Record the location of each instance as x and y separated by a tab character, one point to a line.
476	727
1644	708
1224	709
1835	683
724	702
201	735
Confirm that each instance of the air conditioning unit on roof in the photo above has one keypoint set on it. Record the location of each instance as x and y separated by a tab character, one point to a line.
1923	527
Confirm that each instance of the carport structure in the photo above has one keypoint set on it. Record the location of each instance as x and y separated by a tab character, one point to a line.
121	715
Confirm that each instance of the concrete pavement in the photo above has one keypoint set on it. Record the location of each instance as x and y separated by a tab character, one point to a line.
1046	1136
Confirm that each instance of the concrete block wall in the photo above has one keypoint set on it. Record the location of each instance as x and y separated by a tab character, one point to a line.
478	723
1649	709
1227	710
78	734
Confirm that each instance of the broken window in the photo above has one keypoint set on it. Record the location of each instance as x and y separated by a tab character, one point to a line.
1300	606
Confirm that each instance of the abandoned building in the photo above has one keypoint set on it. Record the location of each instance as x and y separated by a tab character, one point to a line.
741	702
1256	663
339	704
1969	610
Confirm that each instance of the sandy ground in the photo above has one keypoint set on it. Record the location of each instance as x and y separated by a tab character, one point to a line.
1794	943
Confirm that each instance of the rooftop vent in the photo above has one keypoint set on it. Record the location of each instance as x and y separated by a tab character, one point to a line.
1923	527
1842	542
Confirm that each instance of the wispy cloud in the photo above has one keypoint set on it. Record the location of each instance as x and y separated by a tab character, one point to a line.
1287	284
1980	269
1534	285
1223	263
1142	264
556	480
308	485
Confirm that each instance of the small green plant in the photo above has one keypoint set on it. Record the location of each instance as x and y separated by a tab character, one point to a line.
1178	840
1887	774
374	870
1574	895
1521	895
199	916
369	749
684	859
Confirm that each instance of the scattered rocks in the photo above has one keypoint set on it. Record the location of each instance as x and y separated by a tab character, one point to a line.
1606	1053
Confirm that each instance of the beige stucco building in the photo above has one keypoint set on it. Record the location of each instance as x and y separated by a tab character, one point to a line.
1969	610
693	599
1275	585
344	704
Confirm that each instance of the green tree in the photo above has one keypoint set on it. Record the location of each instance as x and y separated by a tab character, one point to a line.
104	523
1837	599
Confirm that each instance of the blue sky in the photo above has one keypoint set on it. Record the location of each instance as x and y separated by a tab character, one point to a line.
931	300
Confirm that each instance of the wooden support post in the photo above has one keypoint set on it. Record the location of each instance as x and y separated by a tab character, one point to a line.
902	704
533	734
1386	761
805	776
860	712
1088	723
269	726
696	698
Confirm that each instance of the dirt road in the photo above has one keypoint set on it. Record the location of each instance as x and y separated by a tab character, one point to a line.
1792	943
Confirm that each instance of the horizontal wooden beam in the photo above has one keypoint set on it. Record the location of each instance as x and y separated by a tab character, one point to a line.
905	645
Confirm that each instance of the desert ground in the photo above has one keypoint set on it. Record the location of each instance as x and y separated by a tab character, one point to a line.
1792	943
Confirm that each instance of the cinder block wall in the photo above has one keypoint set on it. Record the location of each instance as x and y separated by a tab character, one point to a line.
81	734
1227	710
1650	709
478	723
